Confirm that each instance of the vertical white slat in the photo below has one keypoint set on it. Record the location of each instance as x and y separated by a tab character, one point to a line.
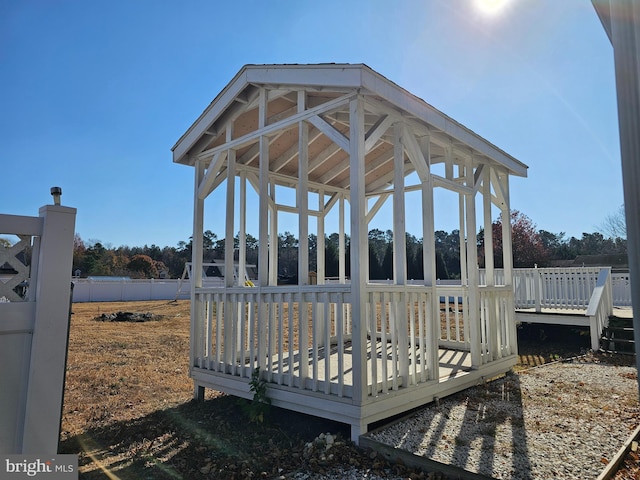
422	305
263	320
280	337
327	343
393	328
219	327
340	334
242	320
456	316
412	338
291	330
359	246
383	339
447	318
207	330
303	335
372	317
315	333
233	336
271	346
251	333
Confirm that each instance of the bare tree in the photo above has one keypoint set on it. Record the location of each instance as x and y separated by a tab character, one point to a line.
614	225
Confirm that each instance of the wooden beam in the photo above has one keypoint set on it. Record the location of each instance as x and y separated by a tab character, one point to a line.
377	206
267	130
376	131
334	135
206	186
415	153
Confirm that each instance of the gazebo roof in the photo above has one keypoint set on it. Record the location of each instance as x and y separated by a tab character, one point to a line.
324	85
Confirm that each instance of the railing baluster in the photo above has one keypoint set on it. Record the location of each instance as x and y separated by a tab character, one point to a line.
280	337
327	343
340	334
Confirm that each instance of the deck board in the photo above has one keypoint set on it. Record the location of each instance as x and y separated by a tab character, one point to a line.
452	363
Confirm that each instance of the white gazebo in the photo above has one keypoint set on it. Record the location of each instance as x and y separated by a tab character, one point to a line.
346	140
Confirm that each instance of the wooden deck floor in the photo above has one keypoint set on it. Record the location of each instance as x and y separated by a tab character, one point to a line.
338	367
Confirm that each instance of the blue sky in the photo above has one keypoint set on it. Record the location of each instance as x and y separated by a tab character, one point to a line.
93	95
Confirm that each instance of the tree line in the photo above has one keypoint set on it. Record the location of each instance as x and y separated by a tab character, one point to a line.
530	247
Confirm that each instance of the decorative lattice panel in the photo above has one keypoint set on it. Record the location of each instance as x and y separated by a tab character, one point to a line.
15	270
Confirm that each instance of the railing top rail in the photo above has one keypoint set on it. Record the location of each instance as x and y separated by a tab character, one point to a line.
20	225
280	289
599	291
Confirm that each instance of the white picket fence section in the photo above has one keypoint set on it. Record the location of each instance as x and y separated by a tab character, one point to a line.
34	329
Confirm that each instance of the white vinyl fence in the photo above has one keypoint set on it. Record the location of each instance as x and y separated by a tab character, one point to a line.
34	326
124	289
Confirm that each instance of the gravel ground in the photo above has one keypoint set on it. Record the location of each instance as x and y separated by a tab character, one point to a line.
559	421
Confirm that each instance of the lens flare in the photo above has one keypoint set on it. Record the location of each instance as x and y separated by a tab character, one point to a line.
491	7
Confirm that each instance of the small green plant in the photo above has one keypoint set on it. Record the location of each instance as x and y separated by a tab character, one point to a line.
260	405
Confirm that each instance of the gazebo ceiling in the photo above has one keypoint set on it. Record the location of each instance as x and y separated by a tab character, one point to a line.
238	106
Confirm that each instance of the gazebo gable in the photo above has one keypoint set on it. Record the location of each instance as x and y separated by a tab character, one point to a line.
319	95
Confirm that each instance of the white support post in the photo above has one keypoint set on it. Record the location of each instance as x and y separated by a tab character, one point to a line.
341	242
242	240
303	202
507	252
400	250
320	244
399	214
488	230
197	346
229	270
463	246
429	262
263	227
359	248
273	236
472	272
50	333
507	244
621	19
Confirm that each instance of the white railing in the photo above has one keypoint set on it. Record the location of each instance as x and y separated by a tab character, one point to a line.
301	337
401	350
557	288
600	307
290	333
621	289
497	326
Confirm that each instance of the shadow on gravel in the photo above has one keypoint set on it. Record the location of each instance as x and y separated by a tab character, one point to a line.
447	440
212	439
